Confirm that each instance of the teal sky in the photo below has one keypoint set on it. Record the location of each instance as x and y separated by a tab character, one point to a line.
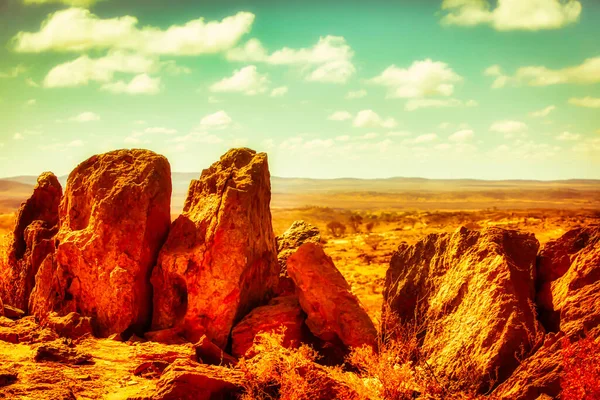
506	89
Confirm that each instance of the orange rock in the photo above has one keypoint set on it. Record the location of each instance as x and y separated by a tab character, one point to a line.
32	240
71	326
219	260
114	216
280	313
333	312
569	282
1	307
209	353
472	294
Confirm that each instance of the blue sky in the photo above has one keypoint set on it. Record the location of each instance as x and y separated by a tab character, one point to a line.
440	89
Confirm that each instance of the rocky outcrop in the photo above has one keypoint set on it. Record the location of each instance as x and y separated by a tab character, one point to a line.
219	261
32	240
282	314
114	216
334	314
1	307
569	282
298	233
472	295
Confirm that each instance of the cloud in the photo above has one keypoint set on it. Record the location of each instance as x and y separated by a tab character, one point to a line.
140	84
77	29
398	134
31	102
71	3
160	130
31	83
529	15
197	137
508	128
18	136
86	116
246	80
370	119
496	71
342	138
218	120
62	146
279	91
415	104
543	112
568	136
421	79
586	73
328	61
426	138
589	102
13	72
356	94
462	135
318	143
340	116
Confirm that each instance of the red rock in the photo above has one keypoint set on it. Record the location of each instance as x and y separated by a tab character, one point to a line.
32	240
209	353
114	216
13	312
1	307
71	326
569	282
333	312
473	295
219	260
281	312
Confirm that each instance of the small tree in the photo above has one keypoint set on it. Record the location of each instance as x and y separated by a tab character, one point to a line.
374	240
369	227
336	228
355	222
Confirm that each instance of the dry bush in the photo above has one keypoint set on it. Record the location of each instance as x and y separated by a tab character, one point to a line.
336	228
355	222
581	370
374	240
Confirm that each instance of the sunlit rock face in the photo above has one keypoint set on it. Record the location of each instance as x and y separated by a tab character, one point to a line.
471	295
114	217
334	314
569	282
32	240
219	261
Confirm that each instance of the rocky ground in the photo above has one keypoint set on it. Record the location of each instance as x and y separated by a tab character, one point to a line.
101	296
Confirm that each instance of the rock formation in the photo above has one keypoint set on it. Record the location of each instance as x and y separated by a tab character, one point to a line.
298	233
334	314
32	240
114	216
472	294
219	260
569	282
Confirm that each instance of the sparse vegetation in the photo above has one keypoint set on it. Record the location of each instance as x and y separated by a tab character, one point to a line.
336	228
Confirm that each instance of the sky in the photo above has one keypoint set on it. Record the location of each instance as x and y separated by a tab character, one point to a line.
499	89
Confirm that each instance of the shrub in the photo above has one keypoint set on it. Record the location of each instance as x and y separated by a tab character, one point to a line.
374	240
336	228
355	222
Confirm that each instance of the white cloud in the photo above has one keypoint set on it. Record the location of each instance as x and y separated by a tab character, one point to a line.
568	136
214	100
415	104
589	102
340	116
75	143
86	116
508	128
544	112
370	119
160	130
279	91
18	136
461	136
342	138
198	137
531	15
370	135
356	94
31	102
318	143
77	29
246	80
218	120
58	146
140	84
586	73
327	61
426	138
421	79
31	83
13	72
398	134
496	71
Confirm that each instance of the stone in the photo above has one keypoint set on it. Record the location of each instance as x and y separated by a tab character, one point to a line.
114	217
569	282
298	233
72	325
472	294
13	312
209	353
59	352
333	312
282	313
32	240
219	261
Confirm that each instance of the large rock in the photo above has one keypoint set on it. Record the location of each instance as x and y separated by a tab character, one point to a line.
32	240
219	260
298	233
334	314
282	313
114	216
472	295
569	282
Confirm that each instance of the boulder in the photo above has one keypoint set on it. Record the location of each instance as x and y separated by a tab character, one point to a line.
32	240
219	261
334	314
282	313
72	325
471	294
298	233
569	282
209	353
114	216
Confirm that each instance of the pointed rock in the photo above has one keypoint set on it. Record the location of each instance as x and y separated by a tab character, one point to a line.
219	260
